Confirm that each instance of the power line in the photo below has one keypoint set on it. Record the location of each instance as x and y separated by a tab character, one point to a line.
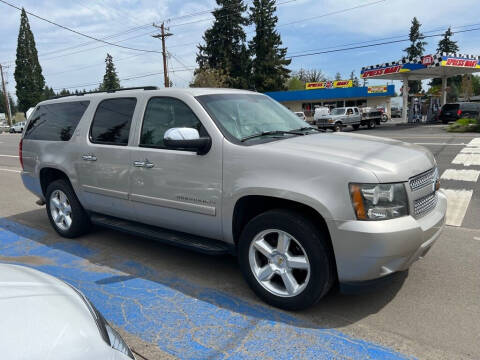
371	45
75	31
381	39
131	77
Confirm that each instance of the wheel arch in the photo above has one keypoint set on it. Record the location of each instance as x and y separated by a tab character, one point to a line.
249	206
49	174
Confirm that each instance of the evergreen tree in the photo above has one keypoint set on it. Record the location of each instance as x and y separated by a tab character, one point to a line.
48	93
28	72
446	45
416	49
110	79
338	76
224	47
269	72
354	79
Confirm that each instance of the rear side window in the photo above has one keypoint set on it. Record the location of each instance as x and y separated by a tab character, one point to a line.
163	113
55	122
450	107
112	120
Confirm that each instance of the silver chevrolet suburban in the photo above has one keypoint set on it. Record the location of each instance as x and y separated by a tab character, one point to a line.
230	171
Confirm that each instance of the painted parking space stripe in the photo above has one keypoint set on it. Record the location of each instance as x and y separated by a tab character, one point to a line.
460	175
182	318
11	170
458	201
12	156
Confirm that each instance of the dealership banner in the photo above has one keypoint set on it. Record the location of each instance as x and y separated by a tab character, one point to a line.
329	84
377	89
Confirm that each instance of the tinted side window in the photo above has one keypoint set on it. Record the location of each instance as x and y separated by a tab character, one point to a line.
112	120
165	113
356	111
55	122
450	107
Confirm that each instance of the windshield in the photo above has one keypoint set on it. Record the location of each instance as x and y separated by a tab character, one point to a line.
244	115
338	111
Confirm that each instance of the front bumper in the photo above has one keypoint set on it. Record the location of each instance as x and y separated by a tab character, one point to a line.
366	250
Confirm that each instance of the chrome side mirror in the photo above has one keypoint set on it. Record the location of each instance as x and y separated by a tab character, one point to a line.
186	139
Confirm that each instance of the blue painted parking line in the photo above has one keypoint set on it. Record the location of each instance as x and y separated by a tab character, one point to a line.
182	318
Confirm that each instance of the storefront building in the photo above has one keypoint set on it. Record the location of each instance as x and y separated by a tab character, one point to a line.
307	100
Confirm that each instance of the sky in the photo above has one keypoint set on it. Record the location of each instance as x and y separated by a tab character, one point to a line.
71	61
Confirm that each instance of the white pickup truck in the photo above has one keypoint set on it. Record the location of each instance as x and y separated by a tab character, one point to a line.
339	118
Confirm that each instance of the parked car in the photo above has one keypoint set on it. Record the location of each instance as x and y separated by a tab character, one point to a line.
339	118
396	112
18	127
46	318
455	111
231	171
301	115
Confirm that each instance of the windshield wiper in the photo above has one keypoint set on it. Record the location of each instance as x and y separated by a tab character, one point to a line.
274	132
307	128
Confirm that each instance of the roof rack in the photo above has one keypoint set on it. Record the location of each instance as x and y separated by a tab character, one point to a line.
109	91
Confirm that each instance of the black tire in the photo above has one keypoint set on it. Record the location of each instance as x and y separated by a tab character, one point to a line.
356	126
313	241
337	127
80	220
372	124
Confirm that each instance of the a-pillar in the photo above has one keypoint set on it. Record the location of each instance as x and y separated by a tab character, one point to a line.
444	90
405	99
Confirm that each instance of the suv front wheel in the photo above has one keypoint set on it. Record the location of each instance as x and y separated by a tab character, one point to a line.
285	260
65	212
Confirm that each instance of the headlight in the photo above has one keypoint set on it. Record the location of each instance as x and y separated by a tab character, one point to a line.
379	201
109	334
116	340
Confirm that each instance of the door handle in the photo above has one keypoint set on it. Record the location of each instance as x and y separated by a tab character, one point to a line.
89	157
148	164
139	163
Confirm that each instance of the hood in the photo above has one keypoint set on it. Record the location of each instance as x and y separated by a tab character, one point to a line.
43	318
389	160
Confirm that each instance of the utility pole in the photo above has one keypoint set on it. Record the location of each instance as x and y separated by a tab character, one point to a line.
162	36
8	112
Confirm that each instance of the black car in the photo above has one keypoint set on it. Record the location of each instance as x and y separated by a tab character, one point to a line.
455	111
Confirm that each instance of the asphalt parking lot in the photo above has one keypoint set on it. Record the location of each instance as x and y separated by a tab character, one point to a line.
173	303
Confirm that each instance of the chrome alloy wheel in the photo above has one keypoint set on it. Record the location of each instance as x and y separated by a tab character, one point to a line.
60	210
279	263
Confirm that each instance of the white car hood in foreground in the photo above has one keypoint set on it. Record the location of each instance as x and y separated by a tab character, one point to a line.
43	318
389	160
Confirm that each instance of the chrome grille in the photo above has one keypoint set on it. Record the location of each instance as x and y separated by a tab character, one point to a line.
425	179
425	204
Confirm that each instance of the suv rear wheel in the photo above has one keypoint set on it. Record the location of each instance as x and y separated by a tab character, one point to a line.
285	260
65	212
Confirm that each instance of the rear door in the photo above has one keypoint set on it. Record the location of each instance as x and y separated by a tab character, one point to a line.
103	164
176	189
